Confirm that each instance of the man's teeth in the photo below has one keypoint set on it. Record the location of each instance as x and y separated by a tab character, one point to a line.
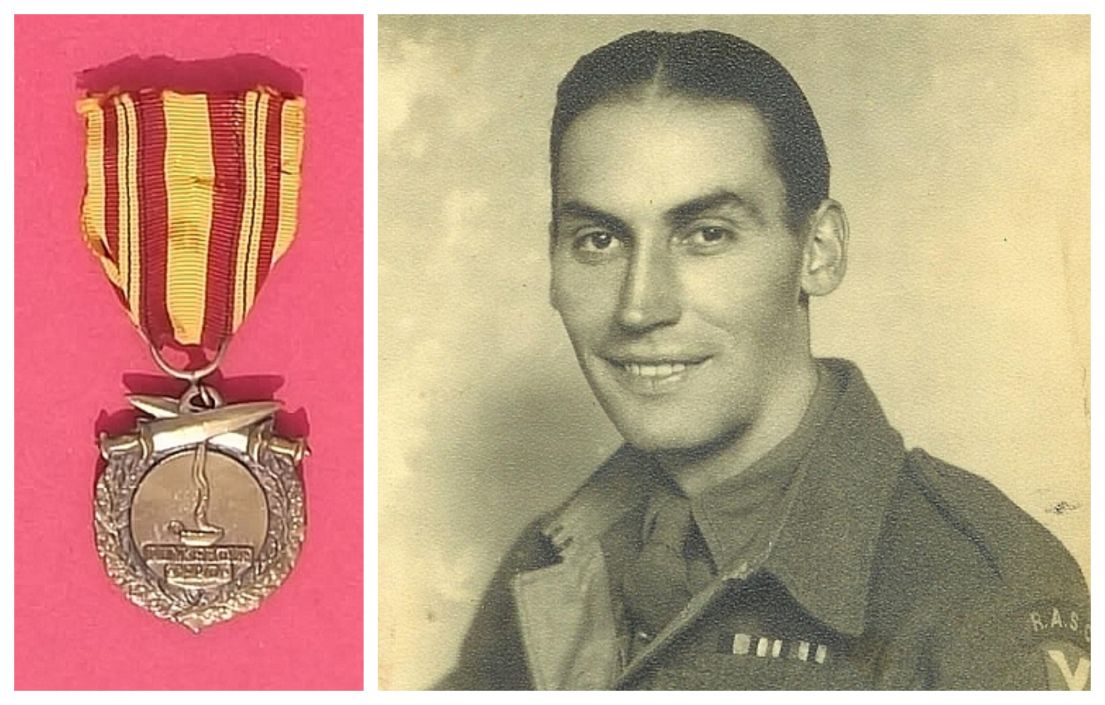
661	370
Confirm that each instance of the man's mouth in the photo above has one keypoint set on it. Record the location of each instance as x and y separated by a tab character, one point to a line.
651	372
661	369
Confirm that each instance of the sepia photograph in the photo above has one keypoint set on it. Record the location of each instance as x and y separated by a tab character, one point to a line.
734	352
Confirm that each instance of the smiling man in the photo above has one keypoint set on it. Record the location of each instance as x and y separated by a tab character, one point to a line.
763	526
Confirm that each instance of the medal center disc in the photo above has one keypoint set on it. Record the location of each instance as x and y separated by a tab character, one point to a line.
198	519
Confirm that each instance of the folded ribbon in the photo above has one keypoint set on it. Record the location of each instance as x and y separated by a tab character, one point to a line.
191	199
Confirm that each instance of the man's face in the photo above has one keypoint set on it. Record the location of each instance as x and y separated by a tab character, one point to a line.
673	268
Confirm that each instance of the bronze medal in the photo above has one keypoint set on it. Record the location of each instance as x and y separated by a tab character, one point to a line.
199	511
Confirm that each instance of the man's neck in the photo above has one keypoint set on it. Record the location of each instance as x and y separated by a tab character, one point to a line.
698	469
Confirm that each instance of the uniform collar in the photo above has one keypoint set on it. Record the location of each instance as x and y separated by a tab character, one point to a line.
824	548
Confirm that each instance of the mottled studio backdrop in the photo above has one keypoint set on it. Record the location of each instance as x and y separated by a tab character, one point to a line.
960	149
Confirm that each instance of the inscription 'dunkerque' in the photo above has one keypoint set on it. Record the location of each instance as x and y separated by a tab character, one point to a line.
197	554
201	567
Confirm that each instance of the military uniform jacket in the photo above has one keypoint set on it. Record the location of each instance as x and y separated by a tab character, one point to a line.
889	569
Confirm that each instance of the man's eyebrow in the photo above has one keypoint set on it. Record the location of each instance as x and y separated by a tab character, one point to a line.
583	211
688	211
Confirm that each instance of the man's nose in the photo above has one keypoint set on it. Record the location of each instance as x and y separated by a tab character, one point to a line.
650	294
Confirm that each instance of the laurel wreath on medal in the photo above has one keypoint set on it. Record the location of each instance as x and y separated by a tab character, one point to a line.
196	608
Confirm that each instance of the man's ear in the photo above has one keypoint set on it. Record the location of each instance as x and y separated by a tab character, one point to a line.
825	258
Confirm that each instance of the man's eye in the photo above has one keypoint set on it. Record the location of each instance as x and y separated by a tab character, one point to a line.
709	237
596	242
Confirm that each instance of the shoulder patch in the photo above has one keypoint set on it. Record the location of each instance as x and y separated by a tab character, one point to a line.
1003	641
1061	632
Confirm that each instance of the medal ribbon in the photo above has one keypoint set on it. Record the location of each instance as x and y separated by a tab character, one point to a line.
190	201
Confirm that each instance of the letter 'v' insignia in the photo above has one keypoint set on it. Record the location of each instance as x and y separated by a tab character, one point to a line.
1059	673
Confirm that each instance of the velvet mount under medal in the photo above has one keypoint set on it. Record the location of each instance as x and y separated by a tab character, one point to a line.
190	201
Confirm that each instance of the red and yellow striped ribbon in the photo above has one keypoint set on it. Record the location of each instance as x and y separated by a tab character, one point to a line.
190	201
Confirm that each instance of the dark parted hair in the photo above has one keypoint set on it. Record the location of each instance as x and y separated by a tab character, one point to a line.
705	65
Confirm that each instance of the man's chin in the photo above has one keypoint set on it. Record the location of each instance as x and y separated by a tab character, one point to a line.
665	440
675	433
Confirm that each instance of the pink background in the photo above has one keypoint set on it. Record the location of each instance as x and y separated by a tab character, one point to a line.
74	344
